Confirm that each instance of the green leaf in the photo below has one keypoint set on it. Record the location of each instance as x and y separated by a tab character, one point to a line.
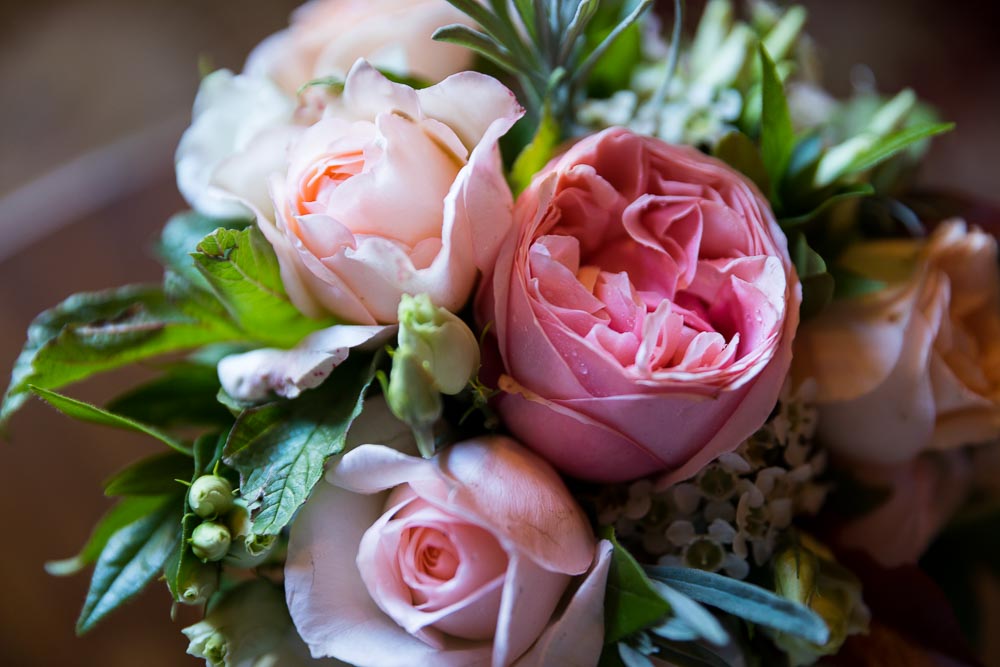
689	620
751	603
208	452
536	154
777	137
872	151
741	153
280	449
120	515
849	191
849	285
100	331
689	654
184	395
614	71
243	270
153	476
481	43
631	602
180	238
95	415
131	558
817	283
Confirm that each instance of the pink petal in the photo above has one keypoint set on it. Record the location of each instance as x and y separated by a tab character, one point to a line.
576	637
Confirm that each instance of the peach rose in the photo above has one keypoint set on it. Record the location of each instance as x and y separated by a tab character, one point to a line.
924	494
393	191
644	310
914	366
458	560
326	37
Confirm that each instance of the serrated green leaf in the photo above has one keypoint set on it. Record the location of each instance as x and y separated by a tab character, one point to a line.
743	600
180	238
741	153
184	395
131	558
120	515
95	415
631	603
817	283
777	137
280	449
100	331
536	154
153	476
243	271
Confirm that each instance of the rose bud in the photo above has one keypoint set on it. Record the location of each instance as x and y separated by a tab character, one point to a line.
247	549
443	344
210	541
413	398
202	582
210	496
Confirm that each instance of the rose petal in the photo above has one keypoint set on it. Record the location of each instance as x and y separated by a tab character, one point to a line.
252	376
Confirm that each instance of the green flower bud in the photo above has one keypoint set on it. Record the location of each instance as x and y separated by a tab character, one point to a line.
210	541
807	573
441	342
215	649
413	399
210	496
246	625
200	584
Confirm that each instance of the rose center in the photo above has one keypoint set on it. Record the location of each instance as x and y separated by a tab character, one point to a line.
325	176
431	554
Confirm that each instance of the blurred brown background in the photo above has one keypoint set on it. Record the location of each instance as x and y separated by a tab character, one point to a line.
93	97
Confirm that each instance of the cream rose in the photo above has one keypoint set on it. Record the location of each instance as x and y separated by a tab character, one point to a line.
394	191
914	366
465	559
326	37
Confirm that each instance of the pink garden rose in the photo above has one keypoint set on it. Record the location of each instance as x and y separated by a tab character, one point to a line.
644	310
465	559
914	366
326	37
393	191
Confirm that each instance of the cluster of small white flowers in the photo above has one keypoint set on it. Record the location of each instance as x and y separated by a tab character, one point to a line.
731	514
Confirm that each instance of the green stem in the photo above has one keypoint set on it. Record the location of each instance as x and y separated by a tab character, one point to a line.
672	58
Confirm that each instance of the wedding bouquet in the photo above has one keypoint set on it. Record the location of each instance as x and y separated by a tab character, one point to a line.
543	333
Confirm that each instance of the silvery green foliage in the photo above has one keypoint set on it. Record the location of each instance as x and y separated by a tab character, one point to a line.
729	517
709	92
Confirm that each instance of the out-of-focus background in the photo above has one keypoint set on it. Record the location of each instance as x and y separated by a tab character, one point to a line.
94	95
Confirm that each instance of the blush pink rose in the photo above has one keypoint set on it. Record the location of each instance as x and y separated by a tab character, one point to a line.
914	366
465	559
326	37
644	310
393	191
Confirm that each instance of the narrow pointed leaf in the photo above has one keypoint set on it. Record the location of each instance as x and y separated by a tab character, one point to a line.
132	557
751	603
123	513
95	415
153	476
631	602
777	137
